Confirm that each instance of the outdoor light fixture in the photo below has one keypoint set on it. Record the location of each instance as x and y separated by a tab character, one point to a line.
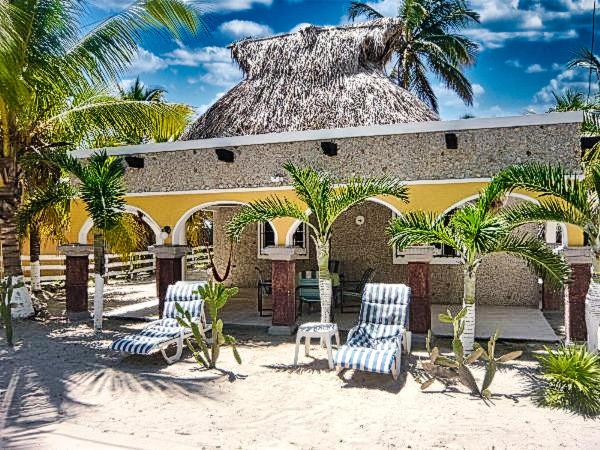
225	155
329	148
135	162
588	142
359	220
165	232
451	141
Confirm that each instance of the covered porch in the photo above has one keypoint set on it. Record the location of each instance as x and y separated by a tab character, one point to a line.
520	323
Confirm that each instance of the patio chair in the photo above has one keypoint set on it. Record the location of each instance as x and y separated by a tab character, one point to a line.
337	277
264	288
375	344
353	289
160	334
307	289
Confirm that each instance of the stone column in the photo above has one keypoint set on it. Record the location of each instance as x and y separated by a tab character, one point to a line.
418	259
283	291
552	298
579	259
169	268
76	278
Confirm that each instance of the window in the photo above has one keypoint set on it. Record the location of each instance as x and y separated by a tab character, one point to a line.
266	239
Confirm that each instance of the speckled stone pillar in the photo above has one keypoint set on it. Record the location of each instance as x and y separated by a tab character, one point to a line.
76	278
283	280
419	259
169	269
575	292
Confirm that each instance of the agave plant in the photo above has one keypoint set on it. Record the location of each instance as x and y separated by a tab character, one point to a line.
215	295
572	375
444	368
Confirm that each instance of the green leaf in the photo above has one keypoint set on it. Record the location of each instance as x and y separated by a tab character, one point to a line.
444	318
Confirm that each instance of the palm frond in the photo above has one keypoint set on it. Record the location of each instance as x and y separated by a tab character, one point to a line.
539	257
126	236
419	228
585	58
360	9
549	180
264	211
549	210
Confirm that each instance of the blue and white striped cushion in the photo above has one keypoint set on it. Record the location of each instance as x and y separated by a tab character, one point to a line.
147	341
193	306
370	360
386	304
183	291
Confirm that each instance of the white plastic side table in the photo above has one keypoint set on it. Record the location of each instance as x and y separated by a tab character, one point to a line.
324	331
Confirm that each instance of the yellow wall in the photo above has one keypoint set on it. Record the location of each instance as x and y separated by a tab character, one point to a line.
168	209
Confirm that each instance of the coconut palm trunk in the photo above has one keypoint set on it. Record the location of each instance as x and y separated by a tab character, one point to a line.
592	303
325	286
468	336
34	259
99	270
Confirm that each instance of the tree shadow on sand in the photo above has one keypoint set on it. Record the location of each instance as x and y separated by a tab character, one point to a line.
41	375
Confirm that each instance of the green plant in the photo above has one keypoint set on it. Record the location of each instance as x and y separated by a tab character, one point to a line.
444	368
215	296
476	230
326	202
6	291
572	375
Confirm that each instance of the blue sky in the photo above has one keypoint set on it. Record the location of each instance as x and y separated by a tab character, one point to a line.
524	48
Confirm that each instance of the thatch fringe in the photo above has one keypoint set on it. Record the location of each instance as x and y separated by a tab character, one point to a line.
316	78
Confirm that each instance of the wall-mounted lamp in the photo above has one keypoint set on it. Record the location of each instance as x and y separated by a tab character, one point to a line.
360	220
329	148
225	155
451	141
165	232
135	162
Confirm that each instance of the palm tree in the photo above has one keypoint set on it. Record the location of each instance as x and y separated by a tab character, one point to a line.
585	58
57	86
326	202
568	198
430	42
101	187
476	230
572	100
138	91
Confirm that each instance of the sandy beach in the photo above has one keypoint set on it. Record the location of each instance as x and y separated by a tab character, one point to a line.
62	388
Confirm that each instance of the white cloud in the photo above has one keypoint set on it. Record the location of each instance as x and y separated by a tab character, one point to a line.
567	79
513	63
497	39
532	21
221	74
184	56
478	90
218	6
557	66
146	62
244	28
203	108
300	26
535	68
447	98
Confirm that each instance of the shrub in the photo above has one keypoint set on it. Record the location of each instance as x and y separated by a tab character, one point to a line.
572	375
215	296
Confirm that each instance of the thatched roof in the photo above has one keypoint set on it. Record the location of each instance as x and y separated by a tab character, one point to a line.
316	78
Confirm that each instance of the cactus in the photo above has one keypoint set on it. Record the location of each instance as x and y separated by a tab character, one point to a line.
445	369
6	292
215	296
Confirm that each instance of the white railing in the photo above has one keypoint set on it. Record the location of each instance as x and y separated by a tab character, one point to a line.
52	267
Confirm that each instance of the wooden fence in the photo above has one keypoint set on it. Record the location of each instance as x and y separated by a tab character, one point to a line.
52	267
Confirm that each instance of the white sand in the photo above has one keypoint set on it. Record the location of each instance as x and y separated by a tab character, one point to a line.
62	388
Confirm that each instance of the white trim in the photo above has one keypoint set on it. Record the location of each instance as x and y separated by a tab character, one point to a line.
178	233
352	132
290	188
87	226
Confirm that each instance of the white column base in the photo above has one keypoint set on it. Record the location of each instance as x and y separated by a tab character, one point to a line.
21	301
98	301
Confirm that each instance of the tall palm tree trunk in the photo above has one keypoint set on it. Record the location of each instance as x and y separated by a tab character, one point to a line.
11	248
34	258
468	336
325	287
99	269
592	304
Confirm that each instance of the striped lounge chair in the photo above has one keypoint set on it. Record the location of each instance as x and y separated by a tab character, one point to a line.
375	344
160	334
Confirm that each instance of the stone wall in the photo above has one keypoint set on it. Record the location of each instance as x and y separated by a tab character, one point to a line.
420	156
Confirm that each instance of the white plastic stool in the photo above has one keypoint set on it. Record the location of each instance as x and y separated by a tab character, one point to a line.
320	330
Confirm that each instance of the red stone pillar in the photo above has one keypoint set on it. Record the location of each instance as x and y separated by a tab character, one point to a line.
552	298
579	259
169	269
418	259
283	279
76	278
